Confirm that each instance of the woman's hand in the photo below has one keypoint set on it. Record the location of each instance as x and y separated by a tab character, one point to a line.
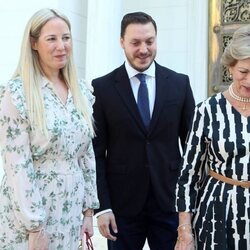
185	241
87	226
38	240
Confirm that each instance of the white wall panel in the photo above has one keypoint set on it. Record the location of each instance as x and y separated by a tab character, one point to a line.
103	47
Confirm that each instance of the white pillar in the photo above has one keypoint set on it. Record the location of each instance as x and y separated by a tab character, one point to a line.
103	52
197	47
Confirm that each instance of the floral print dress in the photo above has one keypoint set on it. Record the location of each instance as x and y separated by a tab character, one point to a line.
47	180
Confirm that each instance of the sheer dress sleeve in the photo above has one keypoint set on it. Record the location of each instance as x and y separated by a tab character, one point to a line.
21	187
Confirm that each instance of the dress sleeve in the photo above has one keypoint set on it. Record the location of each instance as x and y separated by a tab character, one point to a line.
21	187
193	167
89	164
87	91
89	172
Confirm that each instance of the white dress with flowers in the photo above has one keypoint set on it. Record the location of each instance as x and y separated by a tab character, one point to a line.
46	180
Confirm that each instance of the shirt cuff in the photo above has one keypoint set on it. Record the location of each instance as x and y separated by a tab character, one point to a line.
103	212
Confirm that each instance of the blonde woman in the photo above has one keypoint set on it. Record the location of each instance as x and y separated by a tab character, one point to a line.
46	143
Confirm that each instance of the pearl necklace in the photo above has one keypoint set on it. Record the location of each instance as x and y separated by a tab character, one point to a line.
238	98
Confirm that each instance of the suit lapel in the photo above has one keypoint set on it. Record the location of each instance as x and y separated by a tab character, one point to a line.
161	94
123	87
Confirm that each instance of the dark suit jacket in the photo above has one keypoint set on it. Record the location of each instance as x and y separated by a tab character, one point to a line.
127	156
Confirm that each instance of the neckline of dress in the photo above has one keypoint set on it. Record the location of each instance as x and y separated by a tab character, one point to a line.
236	111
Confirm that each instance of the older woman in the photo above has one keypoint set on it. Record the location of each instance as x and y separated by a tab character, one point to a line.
213	191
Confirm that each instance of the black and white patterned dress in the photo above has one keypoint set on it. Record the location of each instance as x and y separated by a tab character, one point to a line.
219	139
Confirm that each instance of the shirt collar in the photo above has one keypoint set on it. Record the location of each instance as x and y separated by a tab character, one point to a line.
132	72
45	81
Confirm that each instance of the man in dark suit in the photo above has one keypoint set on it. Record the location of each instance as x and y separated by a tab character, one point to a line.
138	130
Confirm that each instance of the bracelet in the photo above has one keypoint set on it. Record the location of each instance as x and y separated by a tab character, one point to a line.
180	238
184	225
39	230
88	213
34	231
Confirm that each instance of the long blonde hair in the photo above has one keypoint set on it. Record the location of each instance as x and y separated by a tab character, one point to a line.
31	73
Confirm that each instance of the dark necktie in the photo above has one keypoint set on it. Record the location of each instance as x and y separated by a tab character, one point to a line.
142	100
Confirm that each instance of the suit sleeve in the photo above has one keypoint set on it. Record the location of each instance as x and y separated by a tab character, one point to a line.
187	113
100	148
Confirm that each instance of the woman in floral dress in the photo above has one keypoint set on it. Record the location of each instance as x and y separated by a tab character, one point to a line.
46	143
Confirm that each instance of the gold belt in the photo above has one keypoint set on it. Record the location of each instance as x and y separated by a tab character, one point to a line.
244	184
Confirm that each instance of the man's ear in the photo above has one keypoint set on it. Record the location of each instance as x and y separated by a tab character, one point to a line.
33	43
122	42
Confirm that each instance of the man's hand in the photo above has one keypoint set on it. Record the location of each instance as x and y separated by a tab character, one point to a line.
105	221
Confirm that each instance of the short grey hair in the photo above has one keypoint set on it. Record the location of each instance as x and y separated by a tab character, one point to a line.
238	48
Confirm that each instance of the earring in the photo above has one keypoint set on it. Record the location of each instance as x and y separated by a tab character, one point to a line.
230	76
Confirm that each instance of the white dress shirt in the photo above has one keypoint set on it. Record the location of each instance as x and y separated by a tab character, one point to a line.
150	80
